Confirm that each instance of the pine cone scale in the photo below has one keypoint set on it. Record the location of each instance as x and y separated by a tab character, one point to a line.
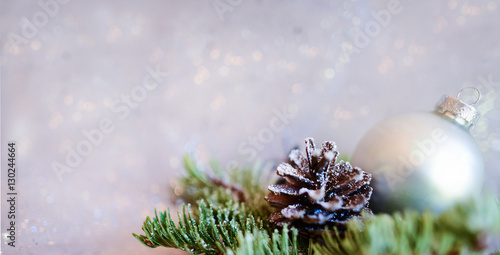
281	201
352	186
319	192
292	175
284	189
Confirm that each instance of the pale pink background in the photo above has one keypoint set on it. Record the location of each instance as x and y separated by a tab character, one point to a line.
227	77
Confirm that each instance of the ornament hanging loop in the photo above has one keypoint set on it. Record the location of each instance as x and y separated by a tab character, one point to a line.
478	97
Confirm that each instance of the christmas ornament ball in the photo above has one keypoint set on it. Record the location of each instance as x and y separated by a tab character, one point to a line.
423	160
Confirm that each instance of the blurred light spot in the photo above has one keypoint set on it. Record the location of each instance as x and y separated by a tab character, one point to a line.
86	106
230	59
68	100
399	43
237	61
202	74
85	40
313	52
257	55
41	229
49	199
56	120
113	34
178	191
452	4
308	51
51	242
470	10
417	49
484	146
34	229
215	54
36	45
218	101
97	213
346	47
296	88
342	114
329	73
12	49
440	24
386	63
481	126
173	183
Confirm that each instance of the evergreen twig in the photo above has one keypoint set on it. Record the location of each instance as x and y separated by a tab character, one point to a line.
232	219
215	231
245	186
259	242
459	230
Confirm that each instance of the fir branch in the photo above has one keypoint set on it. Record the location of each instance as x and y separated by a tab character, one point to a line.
245	186
229	216
458	230
214	232
259	242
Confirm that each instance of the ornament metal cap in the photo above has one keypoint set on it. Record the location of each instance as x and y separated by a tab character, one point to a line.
462	113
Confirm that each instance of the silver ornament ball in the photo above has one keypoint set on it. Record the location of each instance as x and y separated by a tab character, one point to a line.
423	160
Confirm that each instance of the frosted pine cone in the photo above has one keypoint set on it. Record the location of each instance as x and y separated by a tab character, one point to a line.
318	191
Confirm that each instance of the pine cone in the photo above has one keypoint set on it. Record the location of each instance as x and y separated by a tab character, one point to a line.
318	191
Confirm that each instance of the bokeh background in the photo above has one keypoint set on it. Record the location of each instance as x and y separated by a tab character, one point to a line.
325	69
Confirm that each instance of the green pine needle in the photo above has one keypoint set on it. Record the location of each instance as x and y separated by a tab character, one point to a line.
229	216
460	230
259	242
239	185
215	231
